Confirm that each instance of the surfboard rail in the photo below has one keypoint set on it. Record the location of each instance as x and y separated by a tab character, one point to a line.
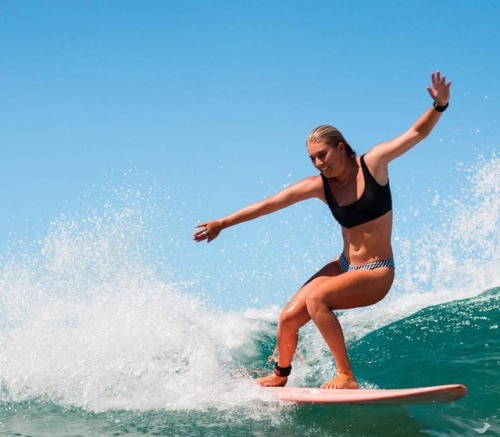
403	396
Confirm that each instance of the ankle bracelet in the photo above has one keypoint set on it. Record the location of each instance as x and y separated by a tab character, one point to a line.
282	371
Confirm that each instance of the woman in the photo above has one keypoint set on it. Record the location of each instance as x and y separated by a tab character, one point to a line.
357	191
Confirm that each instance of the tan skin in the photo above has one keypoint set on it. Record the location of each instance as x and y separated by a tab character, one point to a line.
330	289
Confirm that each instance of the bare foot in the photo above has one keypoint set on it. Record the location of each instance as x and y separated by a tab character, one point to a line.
341	381
272	381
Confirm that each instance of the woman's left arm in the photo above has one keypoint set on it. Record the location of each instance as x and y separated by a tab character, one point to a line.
383	153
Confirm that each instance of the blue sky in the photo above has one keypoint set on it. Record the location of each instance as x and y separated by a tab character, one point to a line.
211	101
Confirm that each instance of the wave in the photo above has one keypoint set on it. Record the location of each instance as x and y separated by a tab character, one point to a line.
456	342
92	320
159	351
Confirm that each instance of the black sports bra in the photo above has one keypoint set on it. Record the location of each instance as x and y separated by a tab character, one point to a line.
374	202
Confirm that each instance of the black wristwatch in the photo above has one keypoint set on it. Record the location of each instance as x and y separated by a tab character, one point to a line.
440	108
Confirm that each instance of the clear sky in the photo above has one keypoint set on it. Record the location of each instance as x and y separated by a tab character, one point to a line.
211	101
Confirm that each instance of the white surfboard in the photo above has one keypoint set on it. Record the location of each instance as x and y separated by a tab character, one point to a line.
421	395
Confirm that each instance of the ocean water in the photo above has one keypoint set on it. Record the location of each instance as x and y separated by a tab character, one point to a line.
98	340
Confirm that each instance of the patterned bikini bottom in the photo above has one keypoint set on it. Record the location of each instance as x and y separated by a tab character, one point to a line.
346	267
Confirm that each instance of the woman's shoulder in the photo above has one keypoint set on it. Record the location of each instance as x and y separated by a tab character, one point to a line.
310	182
311	186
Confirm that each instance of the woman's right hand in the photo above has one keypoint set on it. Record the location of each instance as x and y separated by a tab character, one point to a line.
207	231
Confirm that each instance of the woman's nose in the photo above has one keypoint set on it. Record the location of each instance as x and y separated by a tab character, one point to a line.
318	162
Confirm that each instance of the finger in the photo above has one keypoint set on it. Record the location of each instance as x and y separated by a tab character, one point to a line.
200	235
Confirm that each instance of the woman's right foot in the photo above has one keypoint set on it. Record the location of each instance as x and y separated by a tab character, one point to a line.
342	381
272	381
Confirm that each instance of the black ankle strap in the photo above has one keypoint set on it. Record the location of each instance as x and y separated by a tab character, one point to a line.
282	371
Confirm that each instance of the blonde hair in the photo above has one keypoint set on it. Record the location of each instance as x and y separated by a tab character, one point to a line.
331	136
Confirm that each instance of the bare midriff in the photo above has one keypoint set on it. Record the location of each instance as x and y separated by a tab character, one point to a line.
369	242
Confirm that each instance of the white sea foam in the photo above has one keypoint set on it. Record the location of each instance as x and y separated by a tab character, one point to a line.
460	255
87	323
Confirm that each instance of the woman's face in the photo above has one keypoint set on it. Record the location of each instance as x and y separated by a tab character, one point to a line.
324	157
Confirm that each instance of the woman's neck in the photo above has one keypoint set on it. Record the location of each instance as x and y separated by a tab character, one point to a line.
349	173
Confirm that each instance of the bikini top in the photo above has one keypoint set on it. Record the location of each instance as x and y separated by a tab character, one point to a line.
374	202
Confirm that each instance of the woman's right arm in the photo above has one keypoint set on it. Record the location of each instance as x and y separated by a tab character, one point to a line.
302	190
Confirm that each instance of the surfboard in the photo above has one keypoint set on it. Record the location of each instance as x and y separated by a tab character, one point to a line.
405	396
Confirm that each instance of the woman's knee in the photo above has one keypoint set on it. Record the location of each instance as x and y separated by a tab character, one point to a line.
293	320
287	318
315	303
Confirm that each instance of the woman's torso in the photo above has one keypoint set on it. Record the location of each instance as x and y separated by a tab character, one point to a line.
364	209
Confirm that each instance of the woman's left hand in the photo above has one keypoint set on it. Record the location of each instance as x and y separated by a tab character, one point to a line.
440	90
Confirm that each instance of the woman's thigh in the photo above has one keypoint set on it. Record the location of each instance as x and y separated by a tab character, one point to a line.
348	290
296	309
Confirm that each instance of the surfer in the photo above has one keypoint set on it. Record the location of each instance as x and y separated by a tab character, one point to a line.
356	188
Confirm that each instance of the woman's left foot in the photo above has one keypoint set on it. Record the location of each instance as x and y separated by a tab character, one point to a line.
342	381
272	381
